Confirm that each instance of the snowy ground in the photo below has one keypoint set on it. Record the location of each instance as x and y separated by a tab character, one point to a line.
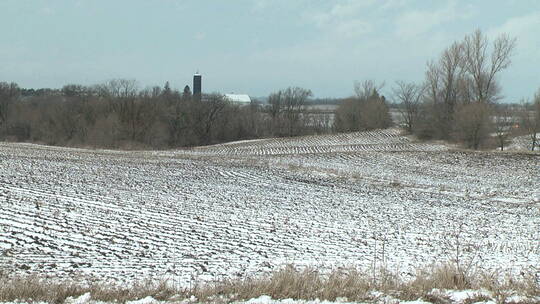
522	143
363	199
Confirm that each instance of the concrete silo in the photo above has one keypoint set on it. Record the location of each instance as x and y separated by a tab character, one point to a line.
197	84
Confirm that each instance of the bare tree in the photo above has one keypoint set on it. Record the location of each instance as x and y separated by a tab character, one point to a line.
9	92
286	109
275	104
465	73
443	80
473	124
205	115
450	68
503	120
364	90
410	96
295	99
374	113
530	121
367	111
483	67
347	116
187	93
74	90
135	109
178	120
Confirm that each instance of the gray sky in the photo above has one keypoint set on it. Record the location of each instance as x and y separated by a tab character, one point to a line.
255	46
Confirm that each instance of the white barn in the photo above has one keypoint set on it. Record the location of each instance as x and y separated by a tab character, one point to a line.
241	99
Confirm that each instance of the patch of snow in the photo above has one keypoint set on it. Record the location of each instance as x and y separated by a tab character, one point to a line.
147	300
83	299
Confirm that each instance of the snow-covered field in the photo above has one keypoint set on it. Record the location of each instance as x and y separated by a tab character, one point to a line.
367	199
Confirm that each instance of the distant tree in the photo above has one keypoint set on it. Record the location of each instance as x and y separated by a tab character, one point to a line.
367	111
155	92
473	124
206	115
286	107
347	116
535	141
117	114
465	73
62	122
482	67
410	96
74	90
374	111
367	89
443	82
179	122
275	104
530	121
118	88
9	93
252	121
167	88
133	109
187	93
503	119
167	94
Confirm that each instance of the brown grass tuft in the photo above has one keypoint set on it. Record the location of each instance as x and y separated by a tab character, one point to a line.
32	288
307	284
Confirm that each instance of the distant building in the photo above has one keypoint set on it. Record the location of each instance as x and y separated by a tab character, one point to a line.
241	99
197	84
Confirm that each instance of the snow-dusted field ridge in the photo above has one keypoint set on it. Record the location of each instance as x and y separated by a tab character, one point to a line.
249	207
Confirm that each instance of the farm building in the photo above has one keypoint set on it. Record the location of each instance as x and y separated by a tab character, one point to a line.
241	99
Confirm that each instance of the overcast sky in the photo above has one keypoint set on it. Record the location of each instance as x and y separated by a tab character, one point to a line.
255	46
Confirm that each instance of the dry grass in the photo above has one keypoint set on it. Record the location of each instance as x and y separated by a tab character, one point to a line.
33	289
287	283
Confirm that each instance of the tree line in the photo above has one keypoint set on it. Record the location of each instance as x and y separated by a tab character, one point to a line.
117	114
459	100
